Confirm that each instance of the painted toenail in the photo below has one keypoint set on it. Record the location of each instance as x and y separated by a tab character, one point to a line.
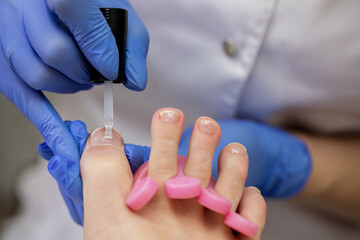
207	126
253	190
169	116
237	148
97	138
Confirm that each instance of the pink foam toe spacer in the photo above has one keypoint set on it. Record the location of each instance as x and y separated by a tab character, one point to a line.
212	200
141	172
141	193
181	186
241	224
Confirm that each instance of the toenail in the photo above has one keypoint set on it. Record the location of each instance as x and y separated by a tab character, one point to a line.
253	190
97	138
237	148
169	116
207	126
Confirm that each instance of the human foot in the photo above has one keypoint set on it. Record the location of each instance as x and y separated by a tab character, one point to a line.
107	180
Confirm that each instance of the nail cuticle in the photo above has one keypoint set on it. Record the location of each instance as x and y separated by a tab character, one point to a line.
97	138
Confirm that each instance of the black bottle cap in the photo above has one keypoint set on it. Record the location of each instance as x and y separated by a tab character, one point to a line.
117	19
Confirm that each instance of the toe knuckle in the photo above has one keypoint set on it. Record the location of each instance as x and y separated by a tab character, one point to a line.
242	174
168	142
236	171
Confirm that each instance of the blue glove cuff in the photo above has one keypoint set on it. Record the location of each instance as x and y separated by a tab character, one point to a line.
292	170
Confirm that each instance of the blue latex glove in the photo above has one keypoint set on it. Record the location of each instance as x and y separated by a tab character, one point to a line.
46	45
66	171
279	163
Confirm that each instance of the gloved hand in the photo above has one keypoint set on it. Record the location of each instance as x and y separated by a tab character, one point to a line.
279	163
46	45
66	171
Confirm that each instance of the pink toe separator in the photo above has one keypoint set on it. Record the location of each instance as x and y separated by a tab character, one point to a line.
144	189
141	172
181	186
241	224
212	200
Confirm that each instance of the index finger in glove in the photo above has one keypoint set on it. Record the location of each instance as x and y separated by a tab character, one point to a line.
36	107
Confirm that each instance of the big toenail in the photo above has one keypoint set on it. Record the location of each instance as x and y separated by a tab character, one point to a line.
169	116
207	126
97	138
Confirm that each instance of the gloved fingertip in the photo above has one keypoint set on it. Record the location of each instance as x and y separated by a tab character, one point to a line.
75	214
80	123
67	123
74	188
80	213
53	164
44	151
76	88
139	86
57	168
136	71
78	128
85	87
104	56
183	151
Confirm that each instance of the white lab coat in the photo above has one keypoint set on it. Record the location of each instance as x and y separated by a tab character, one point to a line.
293	62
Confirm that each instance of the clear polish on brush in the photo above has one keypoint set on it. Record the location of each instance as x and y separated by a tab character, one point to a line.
108	108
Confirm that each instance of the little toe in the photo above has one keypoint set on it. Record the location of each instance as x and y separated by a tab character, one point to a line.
233	169
253	207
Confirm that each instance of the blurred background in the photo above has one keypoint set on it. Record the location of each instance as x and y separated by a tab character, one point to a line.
18	141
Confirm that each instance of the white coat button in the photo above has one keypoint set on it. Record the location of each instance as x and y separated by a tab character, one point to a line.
229	47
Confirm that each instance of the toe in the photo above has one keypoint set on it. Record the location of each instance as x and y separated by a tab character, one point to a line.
204	140
253	207
106	176
233	168
166	129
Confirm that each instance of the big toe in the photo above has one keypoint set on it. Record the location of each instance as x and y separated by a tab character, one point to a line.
107	177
